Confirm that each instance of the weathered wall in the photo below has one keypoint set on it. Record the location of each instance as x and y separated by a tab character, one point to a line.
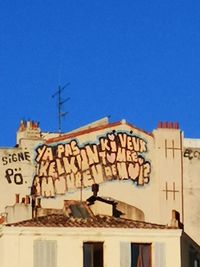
147	171
16	174
192	188
165	245
130	165
169	171
119	158
97	158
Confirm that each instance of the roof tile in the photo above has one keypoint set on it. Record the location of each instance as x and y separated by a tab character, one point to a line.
58	220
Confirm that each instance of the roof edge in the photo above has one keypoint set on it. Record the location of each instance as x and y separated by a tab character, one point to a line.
93	129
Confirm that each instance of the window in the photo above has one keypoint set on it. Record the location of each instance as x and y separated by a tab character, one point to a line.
45	253
193	259
140	255
93	254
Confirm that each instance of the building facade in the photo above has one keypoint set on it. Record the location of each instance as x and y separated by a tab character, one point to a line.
140	176
78	245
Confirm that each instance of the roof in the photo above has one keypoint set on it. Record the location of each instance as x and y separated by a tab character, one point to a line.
92	129
99	221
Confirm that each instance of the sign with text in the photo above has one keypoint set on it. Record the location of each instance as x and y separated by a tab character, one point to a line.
67	166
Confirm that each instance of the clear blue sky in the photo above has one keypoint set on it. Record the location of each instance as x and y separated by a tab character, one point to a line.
132	59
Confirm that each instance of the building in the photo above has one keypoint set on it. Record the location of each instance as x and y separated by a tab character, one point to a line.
139	192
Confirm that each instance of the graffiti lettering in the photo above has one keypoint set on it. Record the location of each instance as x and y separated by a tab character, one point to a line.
192	154
11	174
68	166
15	157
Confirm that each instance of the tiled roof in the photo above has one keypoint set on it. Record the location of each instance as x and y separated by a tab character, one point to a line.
90	130
58	220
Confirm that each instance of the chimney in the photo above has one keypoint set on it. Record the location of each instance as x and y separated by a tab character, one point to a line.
168	125
16	198
27	200
175	221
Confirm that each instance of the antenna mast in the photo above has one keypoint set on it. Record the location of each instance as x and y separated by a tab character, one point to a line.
60	104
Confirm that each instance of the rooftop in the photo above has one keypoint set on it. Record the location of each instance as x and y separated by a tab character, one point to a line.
102	221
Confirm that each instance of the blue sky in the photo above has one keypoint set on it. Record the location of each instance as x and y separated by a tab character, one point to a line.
138	60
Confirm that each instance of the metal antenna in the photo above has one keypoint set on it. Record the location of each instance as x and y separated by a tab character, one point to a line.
60	103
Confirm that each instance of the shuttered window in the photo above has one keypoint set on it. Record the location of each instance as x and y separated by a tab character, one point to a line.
140	255
160	257
93	254
45	253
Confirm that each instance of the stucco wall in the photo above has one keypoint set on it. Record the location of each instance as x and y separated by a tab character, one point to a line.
154	181
192	189
19	242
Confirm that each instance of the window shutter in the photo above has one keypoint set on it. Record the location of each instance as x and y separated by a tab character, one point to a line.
125	254
160	257
45	253
37	253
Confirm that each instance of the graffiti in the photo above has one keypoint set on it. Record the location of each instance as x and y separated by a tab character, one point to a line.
16	157
192	154
14	175
68	166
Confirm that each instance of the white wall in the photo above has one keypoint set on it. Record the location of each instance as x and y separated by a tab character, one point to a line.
17	244
150	197
192	189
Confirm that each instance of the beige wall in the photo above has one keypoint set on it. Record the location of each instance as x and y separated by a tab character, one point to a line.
165	168
17	171
192	188
19	243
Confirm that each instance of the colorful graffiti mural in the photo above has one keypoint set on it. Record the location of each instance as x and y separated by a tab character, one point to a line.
67	166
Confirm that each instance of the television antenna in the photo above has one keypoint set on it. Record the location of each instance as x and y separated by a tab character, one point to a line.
61	114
